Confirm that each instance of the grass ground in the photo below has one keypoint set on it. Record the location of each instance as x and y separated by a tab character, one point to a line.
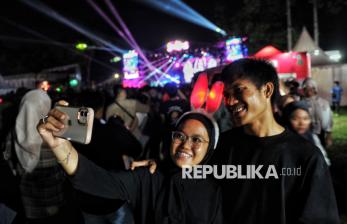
340	128
338	151
339	148
338	156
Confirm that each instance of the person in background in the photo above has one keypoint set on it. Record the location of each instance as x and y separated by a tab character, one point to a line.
320	112
297	118
98	210
174	106
222	116
7	215
42	181
336	95
9	164
170	110
293	87
152	125
126	110
282	102
162	197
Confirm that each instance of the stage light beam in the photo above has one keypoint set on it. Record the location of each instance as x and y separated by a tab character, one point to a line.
181	10
39	6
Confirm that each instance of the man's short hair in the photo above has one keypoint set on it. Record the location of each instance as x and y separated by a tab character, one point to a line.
258	71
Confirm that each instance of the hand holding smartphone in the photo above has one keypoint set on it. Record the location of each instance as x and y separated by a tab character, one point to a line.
78	124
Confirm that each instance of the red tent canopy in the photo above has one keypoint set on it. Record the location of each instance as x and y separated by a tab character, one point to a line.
288	64
267	52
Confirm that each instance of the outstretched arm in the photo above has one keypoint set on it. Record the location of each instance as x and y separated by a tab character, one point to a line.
85	175
65	153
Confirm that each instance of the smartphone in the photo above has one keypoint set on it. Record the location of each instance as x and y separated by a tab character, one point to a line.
78	124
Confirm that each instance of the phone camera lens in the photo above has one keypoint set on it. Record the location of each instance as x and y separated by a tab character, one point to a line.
84	113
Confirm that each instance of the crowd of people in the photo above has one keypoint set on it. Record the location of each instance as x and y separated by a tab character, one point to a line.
61	181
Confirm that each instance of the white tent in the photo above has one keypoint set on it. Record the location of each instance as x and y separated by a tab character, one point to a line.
305	43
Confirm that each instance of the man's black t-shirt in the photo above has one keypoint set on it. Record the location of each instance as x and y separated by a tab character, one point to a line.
307	197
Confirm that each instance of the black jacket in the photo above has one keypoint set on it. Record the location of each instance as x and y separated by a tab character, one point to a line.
156	198
109	142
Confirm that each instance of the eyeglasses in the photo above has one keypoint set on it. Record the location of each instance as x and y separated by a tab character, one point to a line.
179	138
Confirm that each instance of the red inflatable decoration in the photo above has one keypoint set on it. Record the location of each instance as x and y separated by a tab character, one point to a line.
199	92
215	97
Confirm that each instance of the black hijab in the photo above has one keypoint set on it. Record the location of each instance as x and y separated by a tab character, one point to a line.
211	127
168	167
288	113
185	198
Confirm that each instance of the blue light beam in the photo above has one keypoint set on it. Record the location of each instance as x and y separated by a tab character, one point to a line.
67	47
181	10
55	15
157	70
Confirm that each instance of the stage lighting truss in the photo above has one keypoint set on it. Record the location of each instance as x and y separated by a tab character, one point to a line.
180	62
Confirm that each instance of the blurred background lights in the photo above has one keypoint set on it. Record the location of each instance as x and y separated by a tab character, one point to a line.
81	46
334	55
116	75
58	89
177	45
116	59
73	82
130	65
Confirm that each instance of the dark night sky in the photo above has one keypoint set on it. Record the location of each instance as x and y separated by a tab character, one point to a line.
151	28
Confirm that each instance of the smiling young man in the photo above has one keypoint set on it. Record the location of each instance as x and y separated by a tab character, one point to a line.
302	191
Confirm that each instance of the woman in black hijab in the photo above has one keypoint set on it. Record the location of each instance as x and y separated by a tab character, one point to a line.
297	118
162	197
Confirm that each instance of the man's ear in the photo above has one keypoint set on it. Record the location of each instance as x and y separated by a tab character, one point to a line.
268	89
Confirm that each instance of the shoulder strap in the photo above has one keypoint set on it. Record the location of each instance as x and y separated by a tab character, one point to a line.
125	110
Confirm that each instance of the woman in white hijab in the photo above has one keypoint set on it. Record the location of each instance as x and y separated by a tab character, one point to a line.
42	179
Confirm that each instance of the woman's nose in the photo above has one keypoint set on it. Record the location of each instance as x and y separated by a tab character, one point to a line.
187	143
